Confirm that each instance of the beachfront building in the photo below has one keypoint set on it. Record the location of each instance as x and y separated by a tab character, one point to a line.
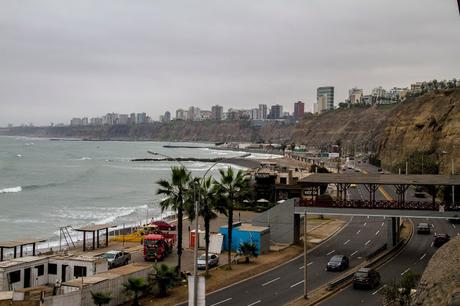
263	111
217	112
31	271
276	111
299	110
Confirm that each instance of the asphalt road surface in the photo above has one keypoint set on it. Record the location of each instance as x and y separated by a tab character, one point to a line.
414	257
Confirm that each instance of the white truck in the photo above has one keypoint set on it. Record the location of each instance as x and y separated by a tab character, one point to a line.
117	258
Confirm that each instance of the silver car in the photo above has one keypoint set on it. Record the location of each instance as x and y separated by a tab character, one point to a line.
213	261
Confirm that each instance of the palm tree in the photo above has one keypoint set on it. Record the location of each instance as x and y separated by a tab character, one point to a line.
231	188
248	249
175	193
164	278
135	286
209	206
101	298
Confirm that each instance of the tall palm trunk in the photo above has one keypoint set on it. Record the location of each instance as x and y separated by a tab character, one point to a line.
229	229
179	235
206	239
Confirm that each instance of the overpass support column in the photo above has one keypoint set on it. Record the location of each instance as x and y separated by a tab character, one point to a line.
393	230
372	189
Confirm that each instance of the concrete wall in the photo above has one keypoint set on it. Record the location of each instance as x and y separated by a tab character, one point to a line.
35	280
92	267
280	219
70	299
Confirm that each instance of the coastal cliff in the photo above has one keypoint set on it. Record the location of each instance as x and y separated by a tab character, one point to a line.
428	124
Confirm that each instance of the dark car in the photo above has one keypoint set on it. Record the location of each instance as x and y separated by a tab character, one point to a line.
423	228
338	263
366	278
164	226
440	239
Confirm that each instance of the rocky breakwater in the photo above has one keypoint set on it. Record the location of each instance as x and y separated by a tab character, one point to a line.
440	283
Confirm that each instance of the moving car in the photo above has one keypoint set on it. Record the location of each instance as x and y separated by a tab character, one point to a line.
419	192
440	239
352	185
366	278
117	258
213	261
164	226
423	228
338	263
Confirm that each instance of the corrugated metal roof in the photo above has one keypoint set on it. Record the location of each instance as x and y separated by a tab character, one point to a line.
94	227
16	243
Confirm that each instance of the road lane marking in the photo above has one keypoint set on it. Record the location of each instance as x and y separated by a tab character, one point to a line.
375	292
354	253
432	244
423	256
358	232
308	264
330	252
273	280
296	284
367	217
383	223
367	242
218	303
256	302
346	241
364	223
405	271
377	232
453	225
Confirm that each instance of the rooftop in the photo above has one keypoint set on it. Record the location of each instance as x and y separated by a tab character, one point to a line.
16	243
94	227
20	260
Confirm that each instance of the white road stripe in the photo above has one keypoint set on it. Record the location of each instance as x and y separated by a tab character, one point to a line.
432	225
364	223
353	253
383	223
221	302
367	217
330	252
256	302
273	280
377	232
309	263
297	284
453	225
375	292
431	244
423	256
358	232
405	271
367	242
346	241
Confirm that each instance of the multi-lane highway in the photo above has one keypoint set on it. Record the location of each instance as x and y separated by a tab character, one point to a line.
414	257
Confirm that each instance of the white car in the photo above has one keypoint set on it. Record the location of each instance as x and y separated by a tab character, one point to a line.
213	261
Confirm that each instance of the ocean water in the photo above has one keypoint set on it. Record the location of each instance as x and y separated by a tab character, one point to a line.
46	184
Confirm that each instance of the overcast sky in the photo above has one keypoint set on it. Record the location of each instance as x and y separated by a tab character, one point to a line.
62	59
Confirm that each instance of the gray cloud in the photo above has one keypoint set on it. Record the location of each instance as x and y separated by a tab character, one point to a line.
60	59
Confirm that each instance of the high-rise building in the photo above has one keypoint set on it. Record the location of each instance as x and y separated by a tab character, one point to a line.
355	95
328	92
263	111
276	111
255	114
141	118
75	122
216	112
167	116
193	113
299	110
123	119
181	114
84	121
321	105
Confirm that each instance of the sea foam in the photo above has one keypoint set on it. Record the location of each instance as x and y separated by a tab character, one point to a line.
11	189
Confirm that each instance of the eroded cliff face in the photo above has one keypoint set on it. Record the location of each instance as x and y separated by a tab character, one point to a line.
429	123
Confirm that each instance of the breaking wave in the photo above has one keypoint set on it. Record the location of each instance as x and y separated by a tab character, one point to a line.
11	189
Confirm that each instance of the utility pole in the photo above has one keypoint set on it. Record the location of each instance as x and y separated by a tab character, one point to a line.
195	252
305	294
453	187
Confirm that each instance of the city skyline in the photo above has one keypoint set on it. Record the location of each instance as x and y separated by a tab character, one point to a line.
61	59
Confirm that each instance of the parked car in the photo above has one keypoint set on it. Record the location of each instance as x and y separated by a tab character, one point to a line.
338	263
366	278
117	258
213	261
423	228
440	239
164	226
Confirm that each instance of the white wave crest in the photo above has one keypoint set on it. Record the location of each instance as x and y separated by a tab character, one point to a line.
85	158
11	189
